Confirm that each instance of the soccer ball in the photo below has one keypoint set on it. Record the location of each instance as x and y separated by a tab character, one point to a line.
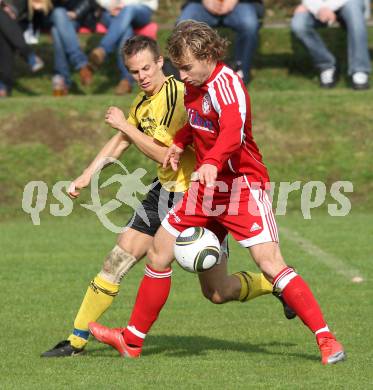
197	249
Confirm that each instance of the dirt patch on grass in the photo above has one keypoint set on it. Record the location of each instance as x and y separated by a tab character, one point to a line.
48	127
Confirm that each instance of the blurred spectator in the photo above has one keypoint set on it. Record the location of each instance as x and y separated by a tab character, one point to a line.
12	41
241	16
66	17
121	17
321	13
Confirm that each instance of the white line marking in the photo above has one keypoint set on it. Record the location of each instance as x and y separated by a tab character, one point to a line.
331	261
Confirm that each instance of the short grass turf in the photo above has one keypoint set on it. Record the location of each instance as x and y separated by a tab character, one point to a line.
194	344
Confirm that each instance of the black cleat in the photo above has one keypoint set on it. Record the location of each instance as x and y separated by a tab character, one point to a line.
288	311
62	349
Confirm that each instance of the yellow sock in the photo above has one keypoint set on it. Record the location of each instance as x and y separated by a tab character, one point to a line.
98	298
253	285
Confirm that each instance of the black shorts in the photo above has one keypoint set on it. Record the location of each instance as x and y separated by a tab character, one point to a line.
148	217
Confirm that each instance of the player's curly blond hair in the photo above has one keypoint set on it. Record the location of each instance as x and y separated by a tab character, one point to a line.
197	38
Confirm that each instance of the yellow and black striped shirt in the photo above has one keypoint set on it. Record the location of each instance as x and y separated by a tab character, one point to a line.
160	116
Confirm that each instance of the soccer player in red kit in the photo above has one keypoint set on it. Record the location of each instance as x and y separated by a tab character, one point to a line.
229	192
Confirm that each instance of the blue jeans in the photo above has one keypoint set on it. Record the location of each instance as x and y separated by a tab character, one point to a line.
244	19
120	29
66	44
304	26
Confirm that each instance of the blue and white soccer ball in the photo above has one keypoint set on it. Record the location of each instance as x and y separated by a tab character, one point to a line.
197	249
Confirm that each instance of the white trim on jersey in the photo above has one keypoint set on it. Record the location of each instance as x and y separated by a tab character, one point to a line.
269	232
214	99
226	82
228	96
223	249
248	151
231	166
170	228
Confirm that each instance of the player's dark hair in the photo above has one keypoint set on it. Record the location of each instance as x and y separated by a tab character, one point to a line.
199	39
139	43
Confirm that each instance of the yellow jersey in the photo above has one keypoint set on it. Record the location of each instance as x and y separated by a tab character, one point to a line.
160	116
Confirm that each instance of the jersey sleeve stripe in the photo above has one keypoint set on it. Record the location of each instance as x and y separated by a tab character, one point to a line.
173	103
221	92
140	103
241	98
225	90
168	103
171	94
228	87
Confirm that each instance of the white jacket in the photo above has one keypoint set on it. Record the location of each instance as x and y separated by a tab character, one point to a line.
112	4
314	5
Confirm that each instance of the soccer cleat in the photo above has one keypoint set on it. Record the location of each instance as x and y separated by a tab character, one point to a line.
113	337
331	350
288	311
63	349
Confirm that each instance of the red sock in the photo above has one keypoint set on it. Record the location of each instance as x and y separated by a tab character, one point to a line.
299	297
151	296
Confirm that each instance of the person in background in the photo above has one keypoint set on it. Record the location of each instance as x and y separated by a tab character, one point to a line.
241	16
121	18
12	41
323	13
66	18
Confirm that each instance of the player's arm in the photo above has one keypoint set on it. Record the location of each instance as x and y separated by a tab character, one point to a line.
151	147
111	150
232	106
183	138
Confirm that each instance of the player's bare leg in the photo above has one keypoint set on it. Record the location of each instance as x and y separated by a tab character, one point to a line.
217	285
299	297
151	297
220	287
131	247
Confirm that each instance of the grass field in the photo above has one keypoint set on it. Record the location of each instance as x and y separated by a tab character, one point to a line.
194	344
304	133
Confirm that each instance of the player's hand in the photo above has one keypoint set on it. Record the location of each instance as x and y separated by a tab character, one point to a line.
326	15
71	14
115	11
76	185
10	11
213	6
115	118
207	174
172	157
300	9
227	6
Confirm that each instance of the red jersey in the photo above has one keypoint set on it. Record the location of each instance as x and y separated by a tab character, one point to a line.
219	126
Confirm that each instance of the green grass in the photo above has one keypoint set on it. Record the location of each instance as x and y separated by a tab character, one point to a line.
194	344
303	135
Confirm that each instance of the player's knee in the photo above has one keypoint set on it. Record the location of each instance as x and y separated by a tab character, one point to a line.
213	295
117	263
156	260
271	267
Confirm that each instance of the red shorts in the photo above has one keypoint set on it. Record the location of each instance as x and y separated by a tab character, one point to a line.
241	208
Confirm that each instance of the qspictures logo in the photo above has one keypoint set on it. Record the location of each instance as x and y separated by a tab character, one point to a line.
132	190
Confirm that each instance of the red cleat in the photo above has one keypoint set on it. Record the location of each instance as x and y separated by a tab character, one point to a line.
114	338
331	350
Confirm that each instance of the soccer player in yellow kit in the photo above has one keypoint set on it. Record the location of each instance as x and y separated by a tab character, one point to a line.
155	116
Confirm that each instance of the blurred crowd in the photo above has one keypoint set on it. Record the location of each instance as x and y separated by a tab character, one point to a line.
22	20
